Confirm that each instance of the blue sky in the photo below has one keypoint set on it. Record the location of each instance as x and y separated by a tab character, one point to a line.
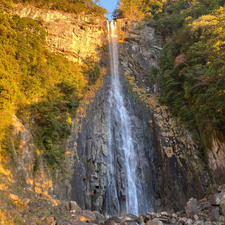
110	5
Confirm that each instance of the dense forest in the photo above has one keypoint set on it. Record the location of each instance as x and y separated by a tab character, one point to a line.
192	65
41	88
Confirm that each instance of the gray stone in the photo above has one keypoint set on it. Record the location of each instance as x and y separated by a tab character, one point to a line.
204	204
199	222
189	222
113	221
214	214
191	208
174	215
222	209
216	199
208	223
196	217
164	214
154	222
74	206
64	205
99	217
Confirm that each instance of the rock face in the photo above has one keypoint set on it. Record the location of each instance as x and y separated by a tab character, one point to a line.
89	182
216	157
80	39
178	171
90	144
24	157
167	155
77	37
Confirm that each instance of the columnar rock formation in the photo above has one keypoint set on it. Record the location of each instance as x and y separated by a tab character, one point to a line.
167	156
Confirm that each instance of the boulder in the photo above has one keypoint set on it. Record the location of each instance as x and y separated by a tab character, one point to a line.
204	204
191	208
74	206
222	208
64	205
214	214
154	222
130	218
113	221
99	217
216	199
86	216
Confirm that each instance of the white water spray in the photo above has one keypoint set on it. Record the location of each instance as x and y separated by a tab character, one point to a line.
121	117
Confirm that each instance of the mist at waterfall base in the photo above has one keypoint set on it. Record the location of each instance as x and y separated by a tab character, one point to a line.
120	141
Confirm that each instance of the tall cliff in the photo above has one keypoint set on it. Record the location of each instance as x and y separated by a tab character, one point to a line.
78	37
25	175
172	168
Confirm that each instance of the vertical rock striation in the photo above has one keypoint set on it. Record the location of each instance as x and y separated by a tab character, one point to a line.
179	172
167	158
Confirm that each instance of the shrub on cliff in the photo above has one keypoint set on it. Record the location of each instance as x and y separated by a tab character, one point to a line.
194	88
72	6
41	87
139	9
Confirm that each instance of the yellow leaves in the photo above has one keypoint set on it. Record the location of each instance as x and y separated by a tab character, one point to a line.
218	44
19	202
139	9
187	19
38	152
4	219
67	153
69	119
3	187
204	22
215	22
3	171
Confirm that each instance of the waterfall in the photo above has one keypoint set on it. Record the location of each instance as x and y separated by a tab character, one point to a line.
119	125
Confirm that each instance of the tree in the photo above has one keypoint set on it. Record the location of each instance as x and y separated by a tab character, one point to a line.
140	9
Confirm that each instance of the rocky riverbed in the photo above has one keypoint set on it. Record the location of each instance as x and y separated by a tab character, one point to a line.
207	211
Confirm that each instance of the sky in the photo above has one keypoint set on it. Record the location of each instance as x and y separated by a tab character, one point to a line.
110	5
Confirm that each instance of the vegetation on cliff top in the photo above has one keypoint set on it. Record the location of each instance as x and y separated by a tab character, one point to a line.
192	63
139	9
72	6
42	88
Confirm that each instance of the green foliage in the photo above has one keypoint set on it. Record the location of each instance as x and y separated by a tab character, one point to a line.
154	75
93	74
42	88
72	6
193	89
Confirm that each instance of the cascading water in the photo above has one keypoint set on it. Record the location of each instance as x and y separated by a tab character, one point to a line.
120	129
